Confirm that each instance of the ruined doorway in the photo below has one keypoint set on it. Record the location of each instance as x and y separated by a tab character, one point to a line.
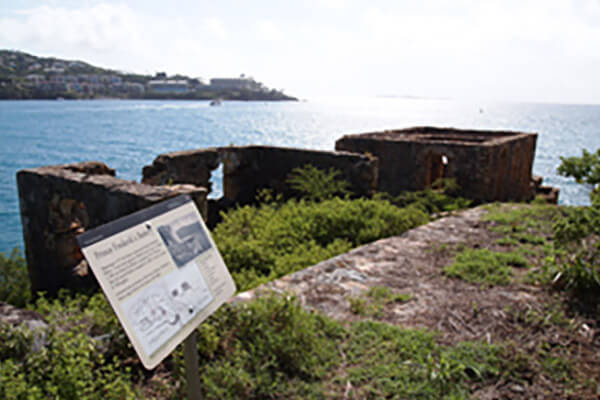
436	165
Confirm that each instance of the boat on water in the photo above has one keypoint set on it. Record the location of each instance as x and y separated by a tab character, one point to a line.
216	102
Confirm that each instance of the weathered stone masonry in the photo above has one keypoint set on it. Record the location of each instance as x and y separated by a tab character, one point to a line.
248	169
488	165
59	202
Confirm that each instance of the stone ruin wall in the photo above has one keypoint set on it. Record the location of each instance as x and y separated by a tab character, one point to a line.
59	202
249	169
488	166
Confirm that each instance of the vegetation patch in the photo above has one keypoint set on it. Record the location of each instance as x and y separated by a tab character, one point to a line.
262	243
485	267
440	197
373	303
314	184
385	361
14	280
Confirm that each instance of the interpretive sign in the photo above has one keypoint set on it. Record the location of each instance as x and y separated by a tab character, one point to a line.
161	273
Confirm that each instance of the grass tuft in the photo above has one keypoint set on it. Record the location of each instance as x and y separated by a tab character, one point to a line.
485	267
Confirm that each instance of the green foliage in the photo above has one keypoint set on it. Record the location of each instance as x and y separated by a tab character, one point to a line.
265	349
585	169
485	267
14	279
358	305
386	361
374	301
430	200
16	341
578	234
274	239
69	366
314	184
386	295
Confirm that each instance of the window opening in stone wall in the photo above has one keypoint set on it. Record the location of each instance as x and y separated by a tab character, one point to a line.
216	180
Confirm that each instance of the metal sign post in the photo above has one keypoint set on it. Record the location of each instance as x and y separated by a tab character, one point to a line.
192	373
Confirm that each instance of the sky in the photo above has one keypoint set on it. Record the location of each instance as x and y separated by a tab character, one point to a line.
523	50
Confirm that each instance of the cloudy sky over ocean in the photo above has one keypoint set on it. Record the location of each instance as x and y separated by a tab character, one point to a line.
525	50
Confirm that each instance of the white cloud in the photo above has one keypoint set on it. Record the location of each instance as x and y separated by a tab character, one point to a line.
268	30
116	36
510	49
215	26
332	4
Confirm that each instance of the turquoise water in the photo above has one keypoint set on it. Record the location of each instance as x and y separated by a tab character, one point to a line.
129	134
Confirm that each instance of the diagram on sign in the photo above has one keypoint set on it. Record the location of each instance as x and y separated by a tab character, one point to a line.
185	238
160	310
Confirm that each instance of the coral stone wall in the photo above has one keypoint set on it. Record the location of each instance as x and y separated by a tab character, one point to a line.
248	169
488	165
59	202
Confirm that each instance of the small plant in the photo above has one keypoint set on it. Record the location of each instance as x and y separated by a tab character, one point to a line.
374	301
431	200
384	294
314	184
358	305
15	288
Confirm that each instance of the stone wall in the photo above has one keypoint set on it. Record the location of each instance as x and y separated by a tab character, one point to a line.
248	169
488	165
59	202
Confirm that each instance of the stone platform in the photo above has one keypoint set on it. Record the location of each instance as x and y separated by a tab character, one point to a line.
409	264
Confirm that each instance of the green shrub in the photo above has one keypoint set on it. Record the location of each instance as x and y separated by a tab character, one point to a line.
271	240
585	169
69	366
314	184
266	347
577	233
14	279
484	266
430	200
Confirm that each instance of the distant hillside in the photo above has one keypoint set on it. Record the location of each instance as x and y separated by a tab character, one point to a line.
25	76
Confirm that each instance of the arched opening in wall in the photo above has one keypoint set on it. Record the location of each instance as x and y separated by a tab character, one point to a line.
437	165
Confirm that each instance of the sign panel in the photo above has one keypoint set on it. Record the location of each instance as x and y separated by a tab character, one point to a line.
161	273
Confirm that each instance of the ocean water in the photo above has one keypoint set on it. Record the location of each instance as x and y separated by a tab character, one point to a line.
129	134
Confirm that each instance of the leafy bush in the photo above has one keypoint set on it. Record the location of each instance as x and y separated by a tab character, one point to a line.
314	184
69	366
268	241
585	169
578	233
261	348
15	288
485	266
